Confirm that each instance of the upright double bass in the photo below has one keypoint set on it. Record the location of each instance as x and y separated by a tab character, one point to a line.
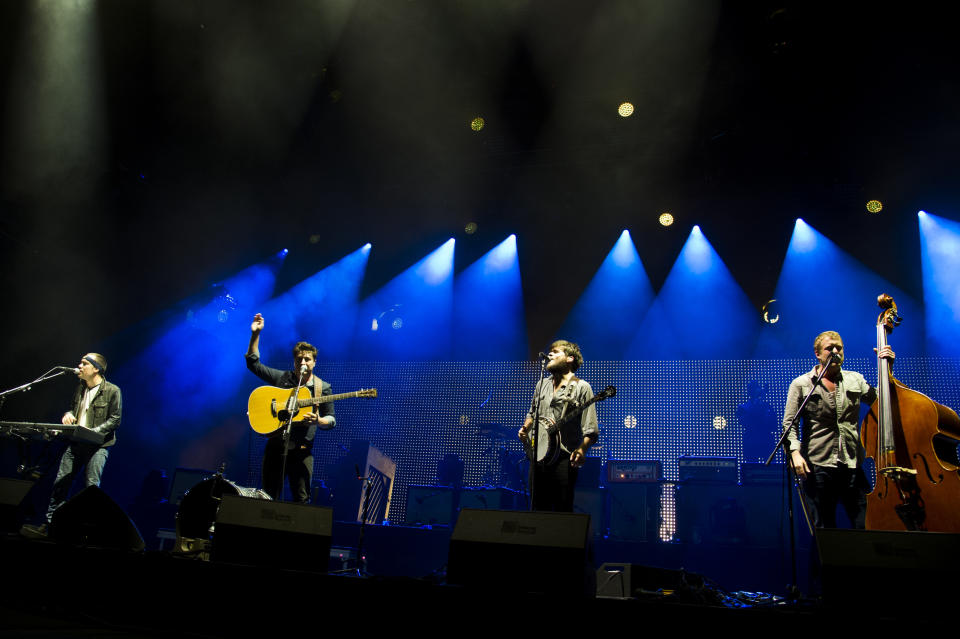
913	442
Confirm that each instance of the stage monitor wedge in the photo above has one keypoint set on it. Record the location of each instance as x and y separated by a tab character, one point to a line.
92	518
272	533
12	494
522	551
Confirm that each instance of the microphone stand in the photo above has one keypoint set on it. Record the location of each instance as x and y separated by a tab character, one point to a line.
56	371
361	569
291	413
26	467
794	589
535	427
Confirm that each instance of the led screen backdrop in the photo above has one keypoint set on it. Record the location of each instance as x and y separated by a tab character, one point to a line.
662	410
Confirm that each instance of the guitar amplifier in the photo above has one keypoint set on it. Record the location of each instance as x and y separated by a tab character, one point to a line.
693	468
492	499
624	471
762	474
634	511
429	505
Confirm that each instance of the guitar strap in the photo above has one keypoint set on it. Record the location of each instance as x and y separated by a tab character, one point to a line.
317	391
568	401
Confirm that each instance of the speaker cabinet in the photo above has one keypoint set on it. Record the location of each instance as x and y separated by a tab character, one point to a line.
710	513
635	511
12	493
491	499
921	568
91	518
272	533
593	502
430	505
522	551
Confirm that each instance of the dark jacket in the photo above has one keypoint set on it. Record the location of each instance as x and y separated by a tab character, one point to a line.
300	434
105	410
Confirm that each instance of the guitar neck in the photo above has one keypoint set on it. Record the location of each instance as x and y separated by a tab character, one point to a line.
323	399
576	412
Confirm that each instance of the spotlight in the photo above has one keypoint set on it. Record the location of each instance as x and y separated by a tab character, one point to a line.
666	219
390	317
719	422
625	110
477	123
470	228
874	206
629	421
768	312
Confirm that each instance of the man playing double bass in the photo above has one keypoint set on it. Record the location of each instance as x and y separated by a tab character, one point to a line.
827	455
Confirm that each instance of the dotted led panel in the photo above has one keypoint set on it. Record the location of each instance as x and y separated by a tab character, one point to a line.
662	410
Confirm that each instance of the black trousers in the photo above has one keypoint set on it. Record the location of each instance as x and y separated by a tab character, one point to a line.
299	470
553	486
826	487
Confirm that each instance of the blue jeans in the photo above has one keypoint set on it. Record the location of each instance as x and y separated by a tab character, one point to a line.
91	459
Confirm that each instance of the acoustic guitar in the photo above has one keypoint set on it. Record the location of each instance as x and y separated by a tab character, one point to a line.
269	407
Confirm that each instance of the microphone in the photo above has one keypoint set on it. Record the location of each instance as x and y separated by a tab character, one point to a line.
836	357
67	369
542	356
303	369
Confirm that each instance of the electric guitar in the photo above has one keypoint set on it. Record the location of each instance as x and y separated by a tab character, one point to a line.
269	407
549	431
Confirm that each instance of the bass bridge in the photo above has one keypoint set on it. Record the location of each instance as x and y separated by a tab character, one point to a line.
897	473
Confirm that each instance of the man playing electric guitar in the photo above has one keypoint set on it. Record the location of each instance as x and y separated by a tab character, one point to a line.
554	483
299	469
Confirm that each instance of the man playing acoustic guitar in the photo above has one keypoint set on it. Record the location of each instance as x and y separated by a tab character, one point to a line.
554	483
300	447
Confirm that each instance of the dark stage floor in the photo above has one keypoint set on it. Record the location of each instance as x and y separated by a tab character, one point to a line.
57	590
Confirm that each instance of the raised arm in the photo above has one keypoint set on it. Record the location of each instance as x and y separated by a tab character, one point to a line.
253	350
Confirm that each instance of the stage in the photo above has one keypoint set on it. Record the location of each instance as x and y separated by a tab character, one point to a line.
123	593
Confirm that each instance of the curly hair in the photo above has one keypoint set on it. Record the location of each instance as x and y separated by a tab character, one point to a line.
304	347
571	350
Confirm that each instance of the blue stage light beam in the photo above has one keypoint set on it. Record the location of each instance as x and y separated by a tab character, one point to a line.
321	310
488	317
700	313
182	379
605	318
409	318
823	288
940	261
